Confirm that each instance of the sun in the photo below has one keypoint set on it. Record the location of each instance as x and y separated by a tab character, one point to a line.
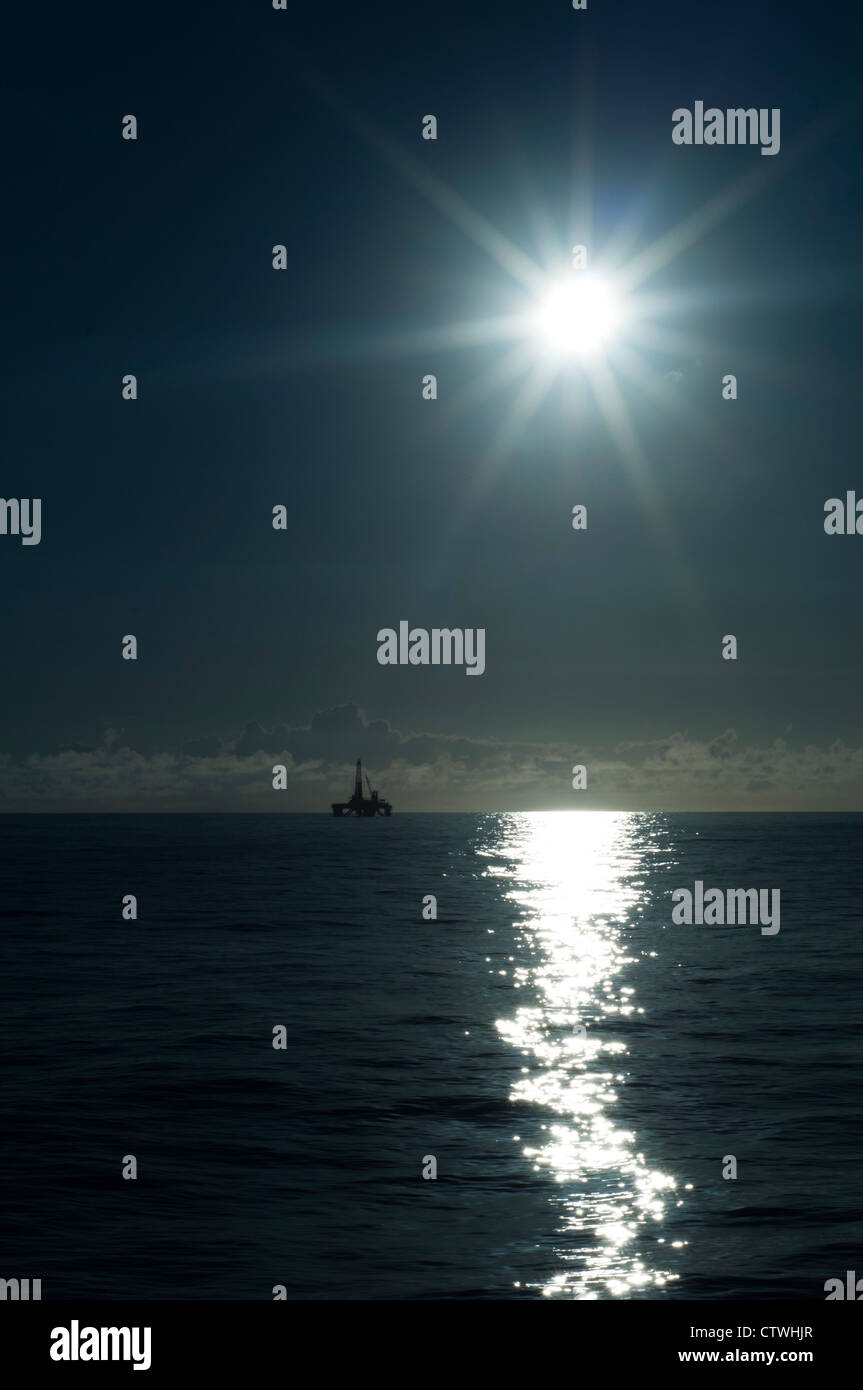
579	315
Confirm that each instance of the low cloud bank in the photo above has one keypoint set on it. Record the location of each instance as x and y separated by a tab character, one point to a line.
430	772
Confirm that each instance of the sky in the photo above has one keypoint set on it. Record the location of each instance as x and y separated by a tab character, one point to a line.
302	388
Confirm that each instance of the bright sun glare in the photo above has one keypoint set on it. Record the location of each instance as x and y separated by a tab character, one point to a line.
578	315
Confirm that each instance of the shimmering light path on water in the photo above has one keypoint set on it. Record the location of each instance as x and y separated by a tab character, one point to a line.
576	894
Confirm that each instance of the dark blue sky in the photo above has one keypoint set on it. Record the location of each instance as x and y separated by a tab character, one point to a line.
302	387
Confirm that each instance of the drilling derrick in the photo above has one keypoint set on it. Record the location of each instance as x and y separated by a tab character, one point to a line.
359	805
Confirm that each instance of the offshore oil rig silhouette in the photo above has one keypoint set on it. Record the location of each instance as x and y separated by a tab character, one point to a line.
360	805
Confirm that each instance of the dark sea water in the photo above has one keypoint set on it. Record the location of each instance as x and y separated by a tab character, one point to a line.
578	1066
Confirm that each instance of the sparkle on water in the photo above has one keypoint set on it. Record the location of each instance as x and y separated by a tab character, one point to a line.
574	913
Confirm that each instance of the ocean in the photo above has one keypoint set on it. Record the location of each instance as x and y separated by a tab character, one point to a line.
578	1071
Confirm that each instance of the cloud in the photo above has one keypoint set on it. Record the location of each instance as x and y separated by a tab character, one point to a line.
423	771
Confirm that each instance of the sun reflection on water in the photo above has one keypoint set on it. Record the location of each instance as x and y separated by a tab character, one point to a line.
570	883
